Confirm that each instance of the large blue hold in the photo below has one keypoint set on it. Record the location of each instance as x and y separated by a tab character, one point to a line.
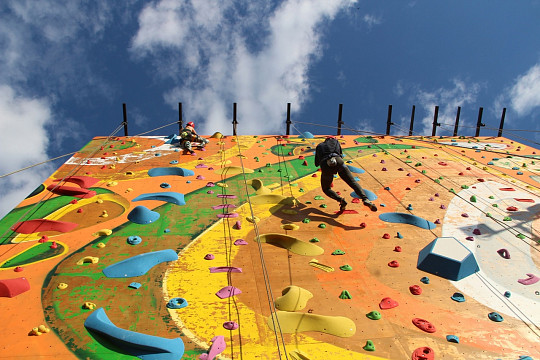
145	347
142	215
404	218
306	135
356	170
448	258
165	171
167	196
370	195
140	264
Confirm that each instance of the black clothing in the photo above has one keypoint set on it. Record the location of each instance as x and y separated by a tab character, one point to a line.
326	154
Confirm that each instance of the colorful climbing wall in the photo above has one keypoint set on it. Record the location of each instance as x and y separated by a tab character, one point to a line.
134	248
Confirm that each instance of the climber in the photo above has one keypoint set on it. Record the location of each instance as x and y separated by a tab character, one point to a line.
329	156
188	135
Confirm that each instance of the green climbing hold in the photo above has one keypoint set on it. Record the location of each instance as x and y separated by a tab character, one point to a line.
437	181
424	171
452	190
488	215
308	202
464	186
345	267
473	198
314	240
408	156
338	252
306	220
369	346
324	206
440	178
374	315
268	165
507	218
319	197
418	164
345	295
521	236
260	170
294	185
495	205
301	190
491	197
322	226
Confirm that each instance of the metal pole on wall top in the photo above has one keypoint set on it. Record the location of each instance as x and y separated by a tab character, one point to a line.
412	120
234	122
456	125
479	121
288	122
180	118
435	123
502	123
125	119
339	122
389	120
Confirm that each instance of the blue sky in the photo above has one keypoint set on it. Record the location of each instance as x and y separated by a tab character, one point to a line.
67	66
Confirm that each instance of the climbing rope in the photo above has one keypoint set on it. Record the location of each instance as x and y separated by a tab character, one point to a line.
268	289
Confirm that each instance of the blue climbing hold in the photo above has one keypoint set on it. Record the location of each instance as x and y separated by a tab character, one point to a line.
165	171
356	170
409	207
143	346
169	196
165	185
135	285
494	316
452	338
142	215
177	303
459	297
134	240
425	280
140	264
507	294
404	218
370	195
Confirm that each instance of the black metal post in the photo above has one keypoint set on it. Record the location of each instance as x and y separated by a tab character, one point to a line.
125	119
479	122
339	122
502	122
180	118
412	120
288	122
456	124
234	122
435	123
389	120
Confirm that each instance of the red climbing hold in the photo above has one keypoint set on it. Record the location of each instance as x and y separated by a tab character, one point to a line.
461	174
388	303
512	208
397	249
505	254
386	236
356	201
525	200
480	180
362	225
43	239
415	289
424	325
423	353
54	245
507	189
393	264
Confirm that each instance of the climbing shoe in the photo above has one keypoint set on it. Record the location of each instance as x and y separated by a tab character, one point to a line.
342	205
370	205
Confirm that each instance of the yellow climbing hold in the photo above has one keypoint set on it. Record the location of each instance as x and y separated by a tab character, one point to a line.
292	244
62	286
88	260
315	263
293	298
253	219
293	322
103	232
290	227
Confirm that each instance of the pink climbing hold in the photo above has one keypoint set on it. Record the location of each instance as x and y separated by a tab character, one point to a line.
218	346
240	242
477	232
227	215
230	325
388	303
505	254
443	206
465	215
237	225
470	238
438	221
228	291
223	206
227	269
532	279
209	257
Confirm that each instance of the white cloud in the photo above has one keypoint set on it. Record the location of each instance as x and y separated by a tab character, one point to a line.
235	51
448	100
371	20
525	93
23	142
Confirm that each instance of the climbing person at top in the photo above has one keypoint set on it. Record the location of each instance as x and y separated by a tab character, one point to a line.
329	156
188	135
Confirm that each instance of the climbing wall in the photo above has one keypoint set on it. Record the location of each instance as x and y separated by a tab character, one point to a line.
134	248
